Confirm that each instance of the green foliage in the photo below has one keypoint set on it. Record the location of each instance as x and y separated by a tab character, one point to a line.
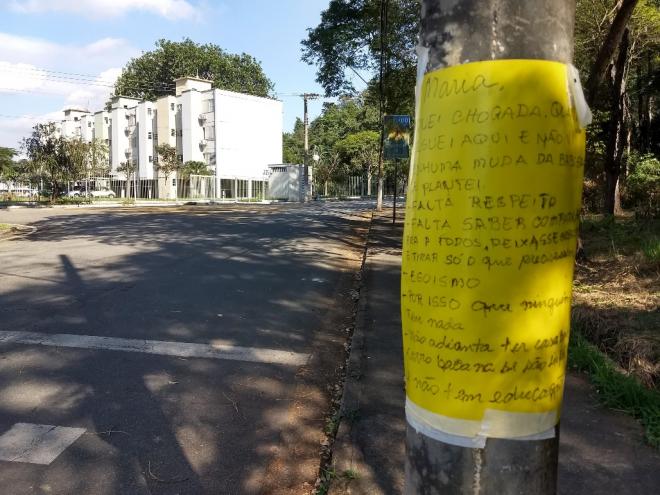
7	163
194	167
169	162
651	249
616	390
49	158
128	168
152	74
348	40
97	158
360	150
641	87
642	191
293	144
612	236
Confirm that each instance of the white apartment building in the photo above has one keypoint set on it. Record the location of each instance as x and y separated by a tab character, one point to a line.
237	135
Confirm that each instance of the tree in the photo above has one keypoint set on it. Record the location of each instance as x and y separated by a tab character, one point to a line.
194	167
152	74
361	151
96	159
7	168
129	169
49	158
373	36
168	162
347	41
326	168
608	48
77	151
617	44
293	144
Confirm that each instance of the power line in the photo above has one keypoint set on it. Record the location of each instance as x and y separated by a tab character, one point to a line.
52	74
84	82
80	79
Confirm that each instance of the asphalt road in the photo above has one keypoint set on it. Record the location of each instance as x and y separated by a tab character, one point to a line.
172	351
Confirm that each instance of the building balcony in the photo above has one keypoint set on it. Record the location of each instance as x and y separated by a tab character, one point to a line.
202	117
127	152
203	143
127	130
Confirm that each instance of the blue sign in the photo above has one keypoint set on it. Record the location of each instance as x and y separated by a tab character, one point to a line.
397	136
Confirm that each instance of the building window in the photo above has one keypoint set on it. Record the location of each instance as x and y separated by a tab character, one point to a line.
149	135
209	133
89	124
180	132
106	120
148	111
173	132
180	158
174	182
151	159
126	107
172	106
179	107
76	119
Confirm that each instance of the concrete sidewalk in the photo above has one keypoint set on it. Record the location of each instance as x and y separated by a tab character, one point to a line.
601	451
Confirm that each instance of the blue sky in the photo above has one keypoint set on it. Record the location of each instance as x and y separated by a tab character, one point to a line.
97	37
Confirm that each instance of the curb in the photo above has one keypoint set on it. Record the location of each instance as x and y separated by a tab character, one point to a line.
155	204
350	474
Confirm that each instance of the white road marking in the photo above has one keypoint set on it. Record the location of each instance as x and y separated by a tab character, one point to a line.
164	348
36	444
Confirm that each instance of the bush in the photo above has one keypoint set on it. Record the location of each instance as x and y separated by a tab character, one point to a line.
642	188
592	196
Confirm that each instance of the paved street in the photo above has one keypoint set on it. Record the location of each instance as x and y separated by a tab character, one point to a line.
182	350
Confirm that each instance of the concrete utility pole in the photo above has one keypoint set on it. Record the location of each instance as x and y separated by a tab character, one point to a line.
306	97
456	32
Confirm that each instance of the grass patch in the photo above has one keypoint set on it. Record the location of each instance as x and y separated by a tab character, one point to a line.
4	227
651	249
350	474
617	293
620	236
617	390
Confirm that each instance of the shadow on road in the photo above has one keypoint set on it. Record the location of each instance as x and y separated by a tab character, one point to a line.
276	278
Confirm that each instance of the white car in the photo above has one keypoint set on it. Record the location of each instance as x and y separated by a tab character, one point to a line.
104	192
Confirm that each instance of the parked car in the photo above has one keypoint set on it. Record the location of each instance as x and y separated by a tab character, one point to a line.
104	192
75	193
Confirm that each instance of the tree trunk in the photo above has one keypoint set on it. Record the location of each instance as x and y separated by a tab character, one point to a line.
617	131
644	106
369	183
381	100
607	49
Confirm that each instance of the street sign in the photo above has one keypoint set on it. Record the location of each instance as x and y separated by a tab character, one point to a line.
397	136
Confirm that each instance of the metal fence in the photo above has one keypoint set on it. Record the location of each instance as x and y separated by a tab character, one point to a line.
197	187
358	186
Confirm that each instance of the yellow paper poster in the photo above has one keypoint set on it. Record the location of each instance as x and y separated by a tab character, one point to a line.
489	242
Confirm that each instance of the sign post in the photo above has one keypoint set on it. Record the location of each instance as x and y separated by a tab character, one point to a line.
397	146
